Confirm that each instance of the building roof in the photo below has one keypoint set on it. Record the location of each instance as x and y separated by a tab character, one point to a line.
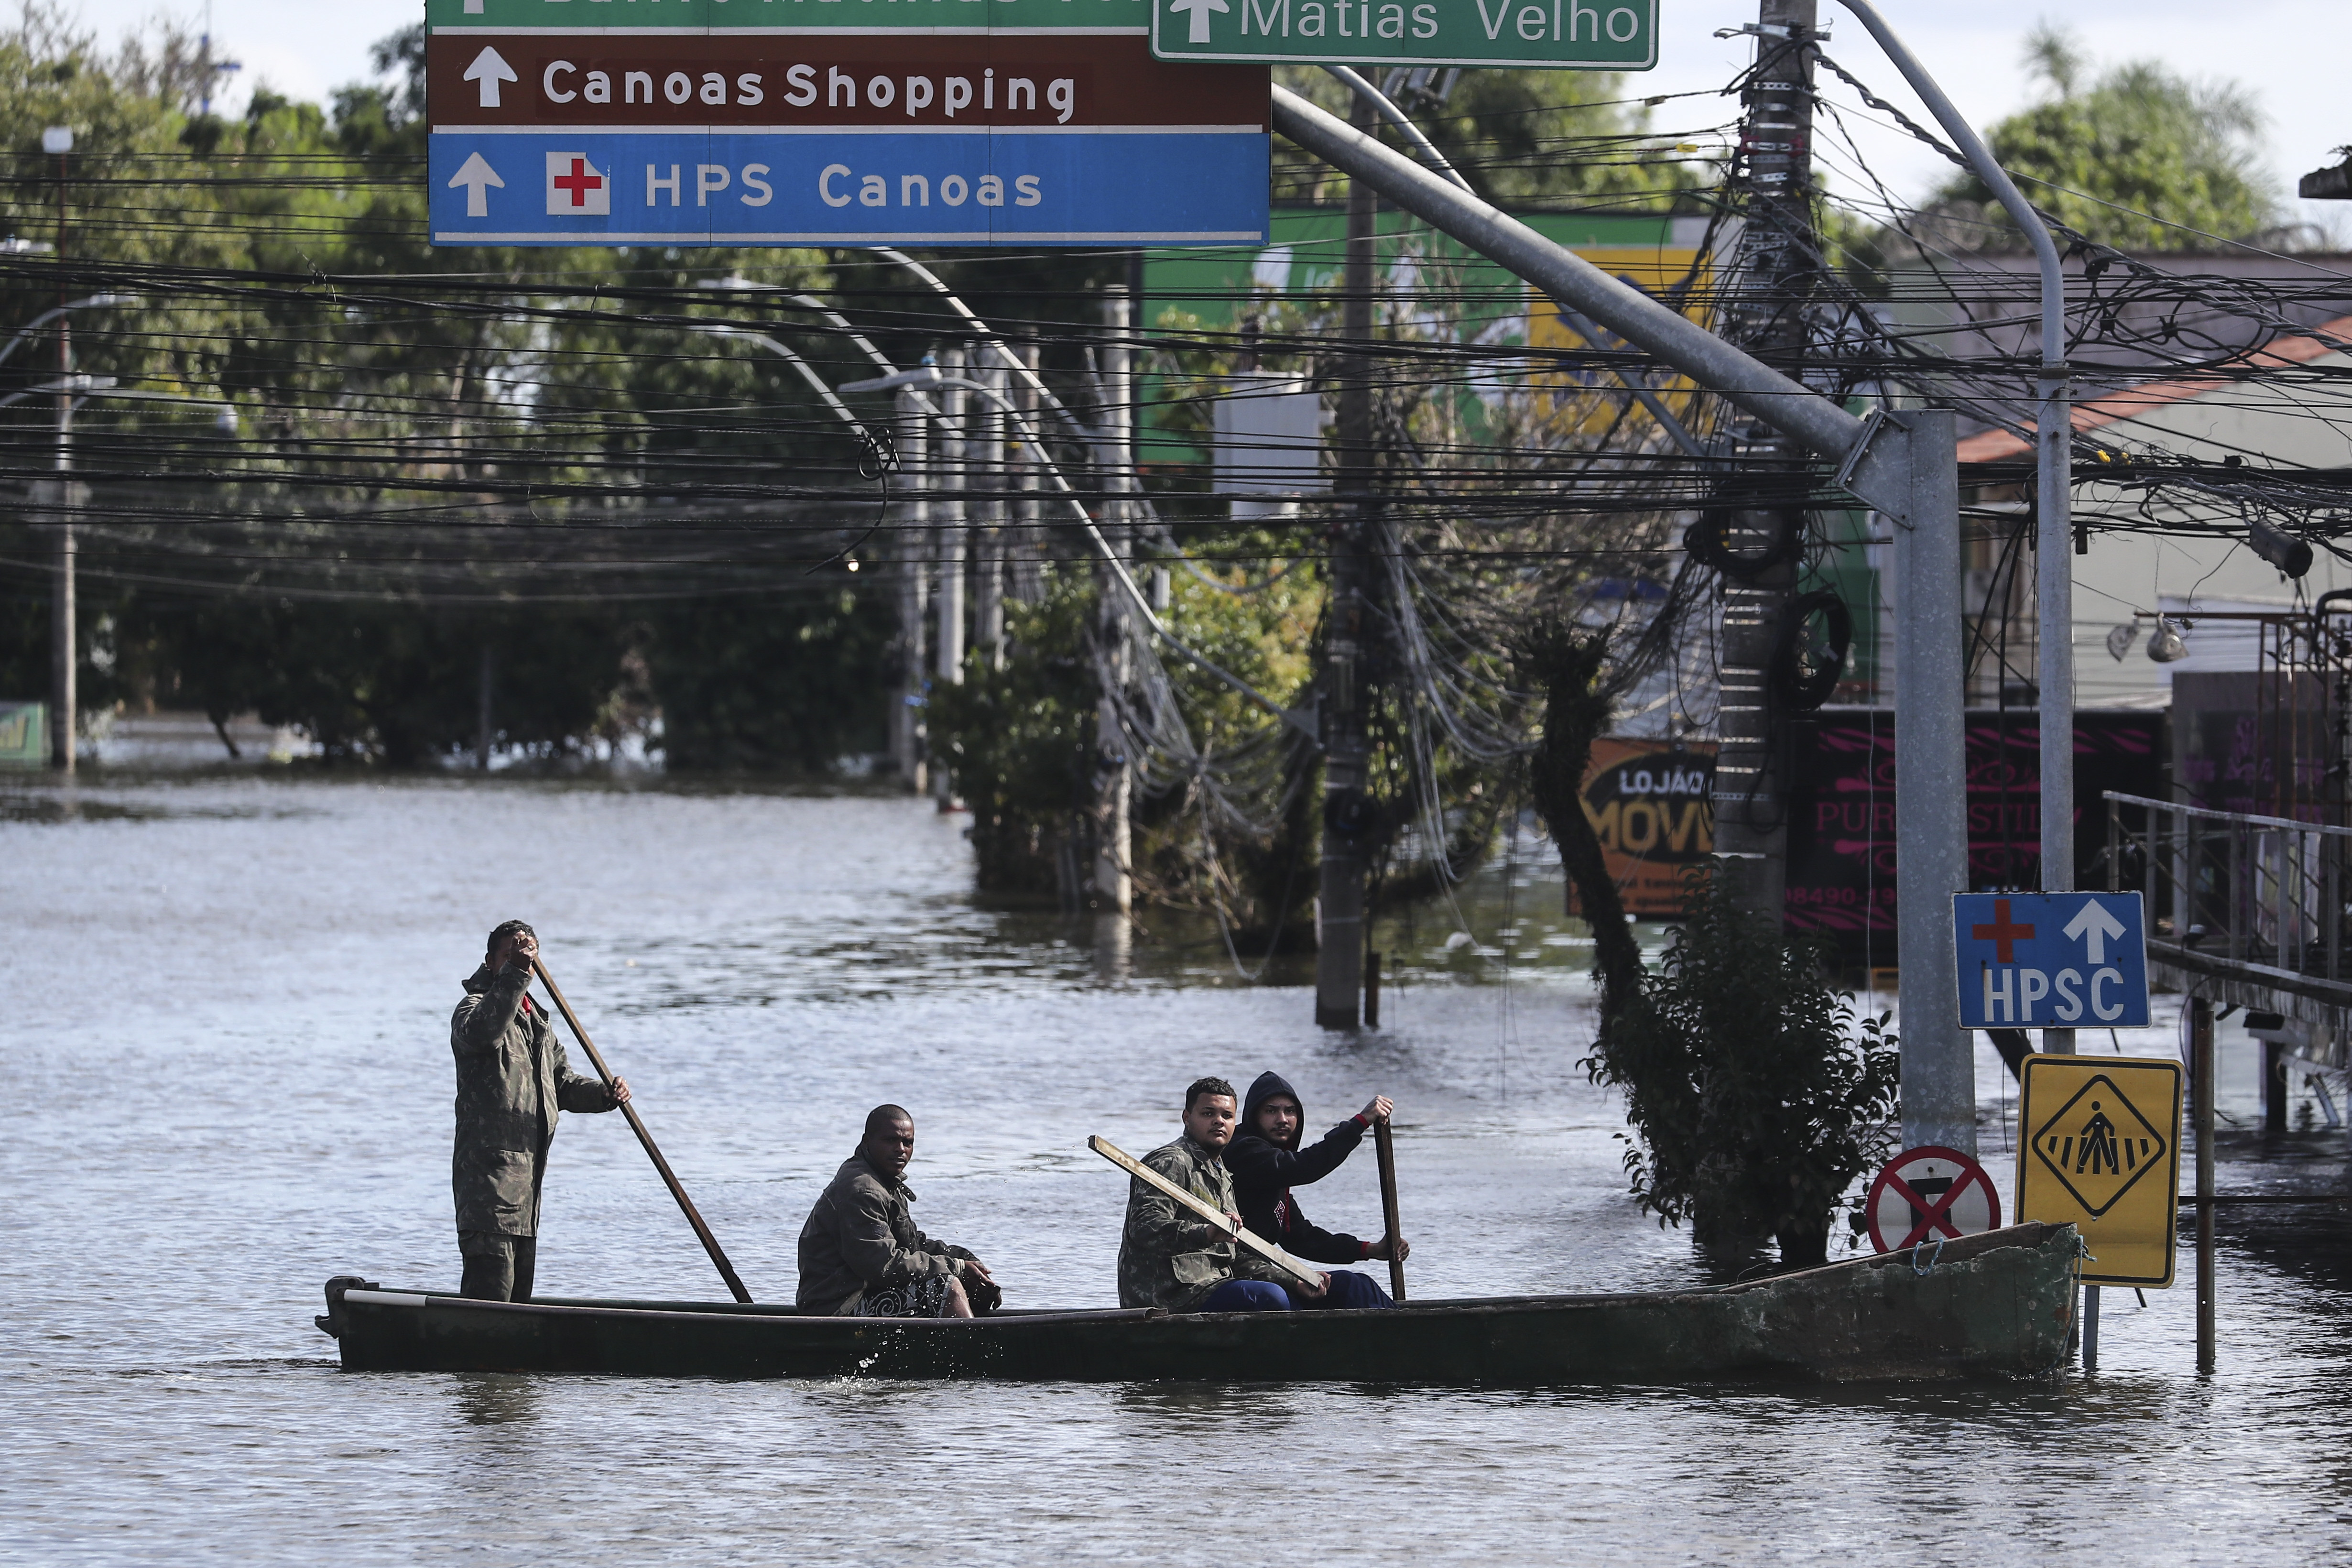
2302	347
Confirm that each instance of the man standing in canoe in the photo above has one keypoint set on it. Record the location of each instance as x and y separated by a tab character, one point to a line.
1266	1163
1170	1257
861	1255
513	1081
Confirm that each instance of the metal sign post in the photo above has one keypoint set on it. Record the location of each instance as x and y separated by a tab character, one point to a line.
1004	124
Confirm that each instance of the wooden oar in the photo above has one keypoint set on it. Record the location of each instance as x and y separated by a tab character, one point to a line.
1309	1277
1386	1149
636	1125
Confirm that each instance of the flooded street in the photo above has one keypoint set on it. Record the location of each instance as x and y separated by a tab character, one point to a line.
226	1052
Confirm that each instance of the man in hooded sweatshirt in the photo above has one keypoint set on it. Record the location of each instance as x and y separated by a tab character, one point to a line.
1267	1161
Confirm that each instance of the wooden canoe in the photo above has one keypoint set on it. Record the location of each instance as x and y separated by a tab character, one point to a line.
1988	1306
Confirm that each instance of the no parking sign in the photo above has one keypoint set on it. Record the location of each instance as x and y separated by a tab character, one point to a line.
1930	1193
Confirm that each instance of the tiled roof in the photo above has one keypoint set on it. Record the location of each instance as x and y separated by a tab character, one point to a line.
1993	445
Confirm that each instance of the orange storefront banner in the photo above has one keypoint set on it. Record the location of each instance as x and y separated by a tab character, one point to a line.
1652	805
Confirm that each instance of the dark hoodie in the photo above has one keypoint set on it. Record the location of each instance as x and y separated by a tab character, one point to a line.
1263	1175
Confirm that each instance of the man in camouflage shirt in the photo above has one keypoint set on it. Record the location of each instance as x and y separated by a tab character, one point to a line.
513	1082
1170	1257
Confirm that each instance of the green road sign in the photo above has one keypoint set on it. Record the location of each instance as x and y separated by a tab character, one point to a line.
792	16
1574	35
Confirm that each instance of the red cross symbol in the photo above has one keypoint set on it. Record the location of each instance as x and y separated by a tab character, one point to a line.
580	182
2001	932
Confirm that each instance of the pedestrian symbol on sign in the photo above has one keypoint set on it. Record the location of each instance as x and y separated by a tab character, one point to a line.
576	187
2099	1144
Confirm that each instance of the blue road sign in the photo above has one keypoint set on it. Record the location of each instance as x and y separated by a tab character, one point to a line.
546	185
2050	959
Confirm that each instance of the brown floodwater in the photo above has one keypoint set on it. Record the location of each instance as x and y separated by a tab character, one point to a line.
225	1053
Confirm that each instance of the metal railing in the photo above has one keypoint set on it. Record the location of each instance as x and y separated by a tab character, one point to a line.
2260	892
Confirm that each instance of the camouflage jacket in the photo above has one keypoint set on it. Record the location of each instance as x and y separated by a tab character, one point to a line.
1170	1257
513	1082
861	1236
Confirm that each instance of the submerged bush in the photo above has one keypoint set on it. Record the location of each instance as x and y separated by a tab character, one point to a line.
1758	1092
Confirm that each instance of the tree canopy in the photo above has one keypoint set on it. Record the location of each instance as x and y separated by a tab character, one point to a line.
2136	156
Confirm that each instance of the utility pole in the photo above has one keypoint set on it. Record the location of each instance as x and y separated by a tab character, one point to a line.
64	641
914	553
988	483
484	714
948	643
1347	748
1024	577
1773	281
1114	879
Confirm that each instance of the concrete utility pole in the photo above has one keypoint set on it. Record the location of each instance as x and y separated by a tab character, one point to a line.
948	641
1347	747
914	560
1114	837
1023	579
64	641
1777	269
988	483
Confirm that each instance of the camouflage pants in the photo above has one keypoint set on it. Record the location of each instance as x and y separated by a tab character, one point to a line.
499	1268
923	1298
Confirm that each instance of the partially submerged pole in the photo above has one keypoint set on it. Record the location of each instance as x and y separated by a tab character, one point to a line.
2200	1068
1347	747
1931	842
913	551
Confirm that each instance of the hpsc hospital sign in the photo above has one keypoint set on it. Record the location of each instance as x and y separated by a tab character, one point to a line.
2050	959
1560	34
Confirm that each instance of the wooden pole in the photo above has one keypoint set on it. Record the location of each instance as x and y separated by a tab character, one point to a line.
668	1176
1385	1147
2200	1050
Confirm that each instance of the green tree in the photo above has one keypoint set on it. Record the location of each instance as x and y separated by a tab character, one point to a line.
2138	157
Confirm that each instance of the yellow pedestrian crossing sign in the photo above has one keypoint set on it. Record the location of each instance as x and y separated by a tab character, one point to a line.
2101	1151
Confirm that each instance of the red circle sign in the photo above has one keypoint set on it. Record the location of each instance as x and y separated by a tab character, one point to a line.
1927	1193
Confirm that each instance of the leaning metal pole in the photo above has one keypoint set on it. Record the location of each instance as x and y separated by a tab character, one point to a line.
1901	464
2054	575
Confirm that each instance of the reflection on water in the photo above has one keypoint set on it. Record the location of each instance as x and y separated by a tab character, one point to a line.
226	1040
496	1399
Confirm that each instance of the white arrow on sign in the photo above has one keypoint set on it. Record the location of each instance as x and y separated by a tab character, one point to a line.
475	174
489	69
1197	15
2093	927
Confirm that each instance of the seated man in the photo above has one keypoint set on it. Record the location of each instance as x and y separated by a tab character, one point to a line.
861	1255
1266	1163
1170	1257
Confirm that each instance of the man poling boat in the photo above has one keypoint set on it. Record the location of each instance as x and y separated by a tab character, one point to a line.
513	1083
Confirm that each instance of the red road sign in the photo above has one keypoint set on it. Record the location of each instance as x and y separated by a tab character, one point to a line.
1927	1193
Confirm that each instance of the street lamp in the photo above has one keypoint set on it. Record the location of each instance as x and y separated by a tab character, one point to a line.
64	641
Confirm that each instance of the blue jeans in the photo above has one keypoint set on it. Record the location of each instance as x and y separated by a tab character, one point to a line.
1348	1290
1247	1296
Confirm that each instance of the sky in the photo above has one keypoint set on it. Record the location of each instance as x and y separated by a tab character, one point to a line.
2291	52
